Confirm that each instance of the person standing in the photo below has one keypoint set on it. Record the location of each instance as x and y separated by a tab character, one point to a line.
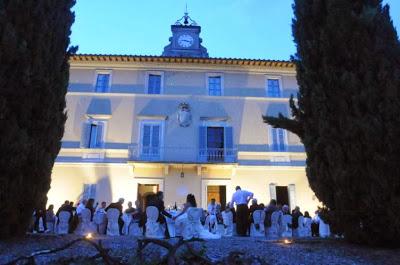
241	198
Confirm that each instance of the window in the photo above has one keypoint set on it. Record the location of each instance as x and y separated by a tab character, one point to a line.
89	191
154	85
102	82
151	137
216	143
93	134
214	86
273	88
278	139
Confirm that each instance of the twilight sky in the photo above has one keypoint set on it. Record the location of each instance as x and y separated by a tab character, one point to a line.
257	29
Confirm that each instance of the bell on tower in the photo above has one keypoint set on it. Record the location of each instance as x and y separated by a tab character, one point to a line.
185	40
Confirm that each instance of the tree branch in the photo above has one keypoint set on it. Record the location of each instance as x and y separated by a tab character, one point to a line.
285	123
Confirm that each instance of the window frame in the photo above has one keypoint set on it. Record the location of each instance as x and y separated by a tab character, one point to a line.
271	139
148	73
161	123
221	75
96	122
273	77
102	71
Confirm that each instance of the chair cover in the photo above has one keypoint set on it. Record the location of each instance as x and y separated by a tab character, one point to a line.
127	218
40	225
227	218
273	232
51	225
324	229
211	223
63	224
135	230
257	227
307	227
100	221
112	224
153	228
300	230
286	230
192	228
85	226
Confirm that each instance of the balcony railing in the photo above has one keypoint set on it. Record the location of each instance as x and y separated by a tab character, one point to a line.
182	154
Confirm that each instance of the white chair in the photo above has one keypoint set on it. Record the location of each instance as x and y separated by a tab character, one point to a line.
324	229
135	230
227	218
307	227
85	226
273	232
153	228
300	230
127	218
286	223
63	222
100	221
193	227
50	225
112	224
257	227
211	222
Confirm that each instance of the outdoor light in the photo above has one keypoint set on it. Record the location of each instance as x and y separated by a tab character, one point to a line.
182	173
287	241
89	236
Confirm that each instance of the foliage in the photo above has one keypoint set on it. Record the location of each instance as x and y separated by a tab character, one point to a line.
347	114
34	72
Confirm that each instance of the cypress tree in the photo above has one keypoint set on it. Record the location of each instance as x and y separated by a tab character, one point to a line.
34	72
347	114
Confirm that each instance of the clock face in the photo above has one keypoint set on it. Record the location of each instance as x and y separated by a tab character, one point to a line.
185	41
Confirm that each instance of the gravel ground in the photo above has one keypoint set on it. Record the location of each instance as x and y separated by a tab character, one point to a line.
300	252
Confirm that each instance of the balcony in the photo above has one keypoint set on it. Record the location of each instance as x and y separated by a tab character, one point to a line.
182	155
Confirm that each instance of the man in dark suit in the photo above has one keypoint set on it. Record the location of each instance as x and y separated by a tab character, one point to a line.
118	205
158	202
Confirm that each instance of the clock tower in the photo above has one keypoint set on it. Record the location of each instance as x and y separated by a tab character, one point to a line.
185	40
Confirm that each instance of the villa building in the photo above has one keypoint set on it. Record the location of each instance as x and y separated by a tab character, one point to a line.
182	122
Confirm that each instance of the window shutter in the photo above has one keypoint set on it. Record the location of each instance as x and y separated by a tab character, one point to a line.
203	143
100	135
272	191
155	139
85	135
292	196
281	136
229	153
92	191
86	191
274	139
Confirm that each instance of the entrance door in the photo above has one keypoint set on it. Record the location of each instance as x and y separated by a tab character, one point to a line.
144	190
282	195
217	192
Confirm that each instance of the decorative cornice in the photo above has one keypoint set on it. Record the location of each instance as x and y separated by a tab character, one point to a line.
164	59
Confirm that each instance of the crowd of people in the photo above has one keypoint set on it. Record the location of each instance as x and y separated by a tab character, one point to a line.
212	216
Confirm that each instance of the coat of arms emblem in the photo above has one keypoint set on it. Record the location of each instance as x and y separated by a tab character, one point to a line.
184	115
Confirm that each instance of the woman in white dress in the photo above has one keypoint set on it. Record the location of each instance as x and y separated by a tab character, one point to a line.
182	219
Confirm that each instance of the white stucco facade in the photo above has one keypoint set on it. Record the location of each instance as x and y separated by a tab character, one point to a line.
116	165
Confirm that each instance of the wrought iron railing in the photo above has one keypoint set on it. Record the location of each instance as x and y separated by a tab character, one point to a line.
182	154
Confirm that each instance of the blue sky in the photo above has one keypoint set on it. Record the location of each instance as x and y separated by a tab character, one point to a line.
258	29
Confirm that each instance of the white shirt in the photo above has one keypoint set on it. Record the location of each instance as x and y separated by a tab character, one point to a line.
241	197
212	208
80	207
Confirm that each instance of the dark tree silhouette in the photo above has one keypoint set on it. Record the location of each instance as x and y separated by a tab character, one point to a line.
34	72
348	114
